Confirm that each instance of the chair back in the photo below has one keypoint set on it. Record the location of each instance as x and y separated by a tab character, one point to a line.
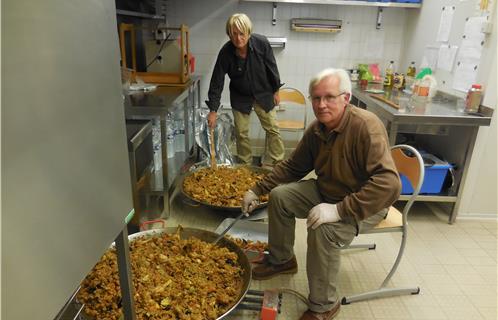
288	94
409	163
291	97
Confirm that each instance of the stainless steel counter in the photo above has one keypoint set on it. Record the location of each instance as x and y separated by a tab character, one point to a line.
436	126
441	110
159	104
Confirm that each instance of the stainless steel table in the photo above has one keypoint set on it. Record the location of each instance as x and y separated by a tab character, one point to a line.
438	127
160	104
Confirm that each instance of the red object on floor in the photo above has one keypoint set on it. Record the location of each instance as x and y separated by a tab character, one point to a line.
271	304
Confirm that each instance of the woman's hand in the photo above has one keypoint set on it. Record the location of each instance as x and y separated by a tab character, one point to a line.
276	98
212	119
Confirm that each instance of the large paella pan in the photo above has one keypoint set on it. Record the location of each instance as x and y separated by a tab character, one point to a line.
182	276
222	188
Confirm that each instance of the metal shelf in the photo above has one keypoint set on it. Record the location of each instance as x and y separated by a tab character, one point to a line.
347	3
139	14
430	198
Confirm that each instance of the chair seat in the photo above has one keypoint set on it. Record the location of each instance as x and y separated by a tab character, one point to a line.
393	220
290	124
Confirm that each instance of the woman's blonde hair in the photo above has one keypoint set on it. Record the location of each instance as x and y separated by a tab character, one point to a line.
241	22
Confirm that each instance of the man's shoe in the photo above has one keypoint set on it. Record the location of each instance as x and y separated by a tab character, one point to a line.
327	315
266	270
267	167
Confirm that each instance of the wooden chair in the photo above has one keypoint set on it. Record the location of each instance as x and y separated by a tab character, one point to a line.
291	112
290	96
412	167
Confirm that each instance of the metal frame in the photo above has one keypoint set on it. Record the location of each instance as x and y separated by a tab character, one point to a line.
383	291
158	104
443	120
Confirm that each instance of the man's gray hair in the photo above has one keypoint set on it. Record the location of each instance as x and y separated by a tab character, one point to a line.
344	81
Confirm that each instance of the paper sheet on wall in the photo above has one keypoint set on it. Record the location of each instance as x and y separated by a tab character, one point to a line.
429	60
443	33
446	57
465	76
469	54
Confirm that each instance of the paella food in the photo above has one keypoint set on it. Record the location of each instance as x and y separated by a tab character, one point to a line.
223	186
251	245
173	278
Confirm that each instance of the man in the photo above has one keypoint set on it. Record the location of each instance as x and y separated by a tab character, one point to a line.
356	182
254	83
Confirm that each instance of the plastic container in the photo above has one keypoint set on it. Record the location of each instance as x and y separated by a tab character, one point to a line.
435	174
473	99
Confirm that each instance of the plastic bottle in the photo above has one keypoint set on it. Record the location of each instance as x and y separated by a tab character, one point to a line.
170	137
156	144
473	99
179	135
388	78
411	70
418	79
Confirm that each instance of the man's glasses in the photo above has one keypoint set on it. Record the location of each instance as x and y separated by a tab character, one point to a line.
329	98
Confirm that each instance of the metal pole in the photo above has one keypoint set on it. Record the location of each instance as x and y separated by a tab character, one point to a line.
127	292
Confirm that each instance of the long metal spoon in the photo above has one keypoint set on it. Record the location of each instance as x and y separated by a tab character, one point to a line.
229	227
212	149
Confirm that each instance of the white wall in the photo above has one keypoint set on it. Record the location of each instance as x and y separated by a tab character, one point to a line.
479	194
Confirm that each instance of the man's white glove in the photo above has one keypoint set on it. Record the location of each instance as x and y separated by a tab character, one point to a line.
249	202
322	213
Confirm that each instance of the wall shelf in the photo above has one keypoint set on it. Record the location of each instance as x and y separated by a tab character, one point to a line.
347	3
277	42
139	14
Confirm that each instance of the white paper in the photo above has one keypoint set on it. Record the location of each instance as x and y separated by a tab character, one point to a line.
473	26
429	60
443	33
469	55
446	57
465	76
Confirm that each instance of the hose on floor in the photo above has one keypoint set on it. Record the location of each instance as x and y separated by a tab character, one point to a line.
293	292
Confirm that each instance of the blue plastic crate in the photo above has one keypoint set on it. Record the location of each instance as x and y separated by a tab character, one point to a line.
435	174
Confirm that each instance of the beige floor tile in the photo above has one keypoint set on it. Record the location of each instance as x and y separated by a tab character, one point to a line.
478	290
454	301
473	252
481	261
488	244
458	313
483	300
489	313
426	313
483	237
359	310
398	312
431	269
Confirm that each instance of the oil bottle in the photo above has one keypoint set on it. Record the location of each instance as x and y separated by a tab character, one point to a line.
388	78
411	70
